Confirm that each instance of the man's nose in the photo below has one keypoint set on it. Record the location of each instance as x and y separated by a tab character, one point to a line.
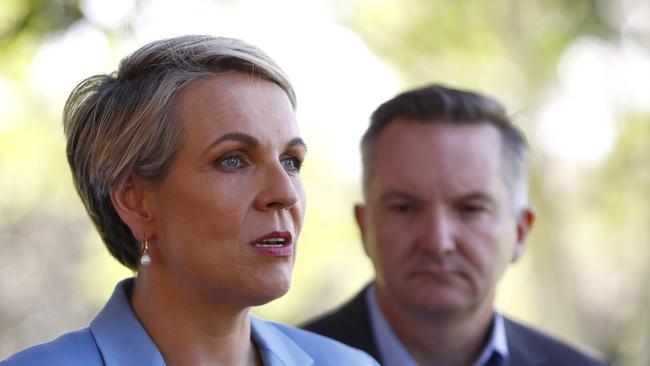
437	234
277	189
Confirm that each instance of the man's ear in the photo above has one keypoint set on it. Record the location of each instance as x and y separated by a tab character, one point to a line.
129	200
359	216
525	221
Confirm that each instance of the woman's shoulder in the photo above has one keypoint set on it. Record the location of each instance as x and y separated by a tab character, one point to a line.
74	348
322	350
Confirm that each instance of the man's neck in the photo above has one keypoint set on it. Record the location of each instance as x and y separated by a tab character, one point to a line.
450	339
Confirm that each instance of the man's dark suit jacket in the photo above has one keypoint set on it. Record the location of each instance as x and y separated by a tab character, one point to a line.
350	324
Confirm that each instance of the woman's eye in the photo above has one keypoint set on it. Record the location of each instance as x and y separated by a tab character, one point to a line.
291	164
231	162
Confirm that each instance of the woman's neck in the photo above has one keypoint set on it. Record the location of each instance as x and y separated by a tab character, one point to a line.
191	329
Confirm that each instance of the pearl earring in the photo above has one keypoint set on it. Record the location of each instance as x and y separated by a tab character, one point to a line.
145	259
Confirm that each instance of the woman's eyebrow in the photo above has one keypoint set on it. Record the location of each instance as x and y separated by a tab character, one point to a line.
296	141
235	136
251	141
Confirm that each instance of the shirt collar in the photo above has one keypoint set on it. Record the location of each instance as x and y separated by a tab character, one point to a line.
496	348
391	349
394	353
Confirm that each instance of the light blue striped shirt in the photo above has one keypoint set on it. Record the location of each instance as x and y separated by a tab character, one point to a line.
393	352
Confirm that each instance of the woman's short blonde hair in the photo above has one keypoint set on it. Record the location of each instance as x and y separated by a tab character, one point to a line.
123	122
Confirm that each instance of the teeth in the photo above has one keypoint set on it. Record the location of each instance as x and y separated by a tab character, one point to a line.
272	242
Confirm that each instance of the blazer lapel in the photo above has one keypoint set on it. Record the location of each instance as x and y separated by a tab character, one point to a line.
520	351
276	347
120	338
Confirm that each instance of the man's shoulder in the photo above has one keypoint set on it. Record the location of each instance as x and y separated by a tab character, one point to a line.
349	323
74	348
525	341
337	323
323	350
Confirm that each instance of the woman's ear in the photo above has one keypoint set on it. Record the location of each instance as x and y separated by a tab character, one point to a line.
129	200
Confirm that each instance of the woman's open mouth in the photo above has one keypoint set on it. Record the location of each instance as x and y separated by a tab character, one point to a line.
277	244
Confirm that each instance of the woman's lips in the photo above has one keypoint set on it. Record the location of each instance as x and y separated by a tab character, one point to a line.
276	244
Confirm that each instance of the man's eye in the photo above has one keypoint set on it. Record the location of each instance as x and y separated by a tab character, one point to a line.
472	208
400	207
291	164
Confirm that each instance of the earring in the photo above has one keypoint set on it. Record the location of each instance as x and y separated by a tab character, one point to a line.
145	259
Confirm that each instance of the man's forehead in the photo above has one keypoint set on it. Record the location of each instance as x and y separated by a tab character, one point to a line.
423	185
423	156
439	140
439	125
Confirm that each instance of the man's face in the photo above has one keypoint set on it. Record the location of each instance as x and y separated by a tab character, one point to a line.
438	224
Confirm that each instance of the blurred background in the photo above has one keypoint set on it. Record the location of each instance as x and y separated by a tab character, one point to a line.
575	75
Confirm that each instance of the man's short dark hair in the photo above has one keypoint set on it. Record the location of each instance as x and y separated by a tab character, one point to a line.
440	104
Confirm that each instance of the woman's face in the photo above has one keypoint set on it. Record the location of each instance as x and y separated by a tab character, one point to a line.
226	217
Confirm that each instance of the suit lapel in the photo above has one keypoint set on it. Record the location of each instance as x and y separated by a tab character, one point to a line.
349	324
520	350
355	320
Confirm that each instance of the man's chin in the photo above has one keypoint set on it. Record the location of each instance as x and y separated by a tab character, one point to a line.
439	304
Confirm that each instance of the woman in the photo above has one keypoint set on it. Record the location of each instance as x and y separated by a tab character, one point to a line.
188	162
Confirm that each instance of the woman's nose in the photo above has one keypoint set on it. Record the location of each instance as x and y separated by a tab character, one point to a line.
277	191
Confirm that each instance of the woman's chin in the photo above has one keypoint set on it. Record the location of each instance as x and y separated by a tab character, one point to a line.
269	291
271	284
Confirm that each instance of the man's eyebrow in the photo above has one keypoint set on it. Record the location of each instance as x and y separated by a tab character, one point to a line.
476	196
235	136
296	141
395	194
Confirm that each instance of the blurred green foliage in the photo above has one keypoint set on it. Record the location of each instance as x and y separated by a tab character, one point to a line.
582	279
510	46
24	24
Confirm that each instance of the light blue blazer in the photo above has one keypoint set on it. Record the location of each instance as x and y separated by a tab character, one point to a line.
116	338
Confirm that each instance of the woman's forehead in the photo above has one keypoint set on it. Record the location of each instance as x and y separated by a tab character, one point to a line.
235	103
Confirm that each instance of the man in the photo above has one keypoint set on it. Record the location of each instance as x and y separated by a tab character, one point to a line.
444	180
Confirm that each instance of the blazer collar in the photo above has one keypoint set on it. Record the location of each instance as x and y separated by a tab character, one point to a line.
277	348
121	339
